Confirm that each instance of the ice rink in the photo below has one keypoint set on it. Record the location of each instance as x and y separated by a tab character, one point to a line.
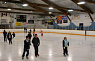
50	48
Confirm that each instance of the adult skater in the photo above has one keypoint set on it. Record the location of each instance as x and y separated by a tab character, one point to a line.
26	47
13	34
5	34
36	43
29	35
9	36
30	30
65	46
24	29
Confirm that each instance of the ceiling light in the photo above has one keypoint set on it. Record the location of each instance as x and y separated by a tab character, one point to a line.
81	2
50	12
70	10
8	9
50	8
25	4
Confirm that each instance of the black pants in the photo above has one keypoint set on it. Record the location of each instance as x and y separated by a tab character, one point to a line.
10	40
25	50
36	50
65	51
5	39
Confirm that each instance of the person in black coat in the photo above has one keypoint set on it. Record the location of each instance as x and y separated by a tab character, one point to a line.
65	46
24	29
26	47
9	36
5	34
34	30
36	43
30	30
13	34
29	35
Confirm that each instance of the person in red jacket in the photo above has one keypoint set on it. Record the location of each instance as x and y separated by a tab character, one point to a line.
41	33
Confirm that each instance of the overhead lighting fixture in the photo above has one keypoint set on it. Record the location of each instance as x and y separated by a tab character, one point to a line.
50	8
70	10
50	12
25	4
81	2
8	9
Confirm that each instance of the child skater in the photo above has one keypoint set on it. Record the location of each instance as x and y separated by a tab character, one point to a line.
41	33
33	33
26	47
13	34
65	46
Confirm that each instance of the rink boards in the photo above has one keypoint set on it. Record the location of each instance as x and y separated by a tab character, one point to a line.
57	31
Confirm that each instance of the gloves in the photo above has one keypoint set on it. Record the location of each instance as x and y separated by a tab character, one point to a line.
64	47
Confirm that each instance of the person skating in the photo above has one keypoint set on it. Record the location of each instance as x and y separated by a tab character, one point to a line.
5	34
13	34
26	47
29	35
65	46
30	30
9	36
24	29
36	43
41	33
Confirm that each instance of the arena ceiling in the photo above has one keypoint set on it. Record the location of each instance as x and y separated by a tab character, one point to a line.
41	7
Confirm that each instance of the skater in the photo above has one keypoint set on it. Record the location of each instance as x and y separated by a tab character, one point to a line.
36	43
41	33
13	34
26	47
65	46
9	36
34	30
30	30
24	29
33	33
29	35
5	34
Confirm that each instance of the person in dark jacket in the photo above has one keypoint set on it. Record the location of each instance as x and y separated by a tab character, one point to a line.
26	47
9	36
5	34
13	34
65	46
24	29
29	35
36	43
34	29
30	30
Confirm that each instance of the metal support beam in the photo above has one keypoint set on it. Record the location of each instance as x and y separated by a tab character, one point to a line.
57	7
83	7
90	17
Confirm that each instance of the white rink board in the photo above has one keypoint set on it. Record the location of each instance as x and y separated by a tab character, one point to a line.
52	30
